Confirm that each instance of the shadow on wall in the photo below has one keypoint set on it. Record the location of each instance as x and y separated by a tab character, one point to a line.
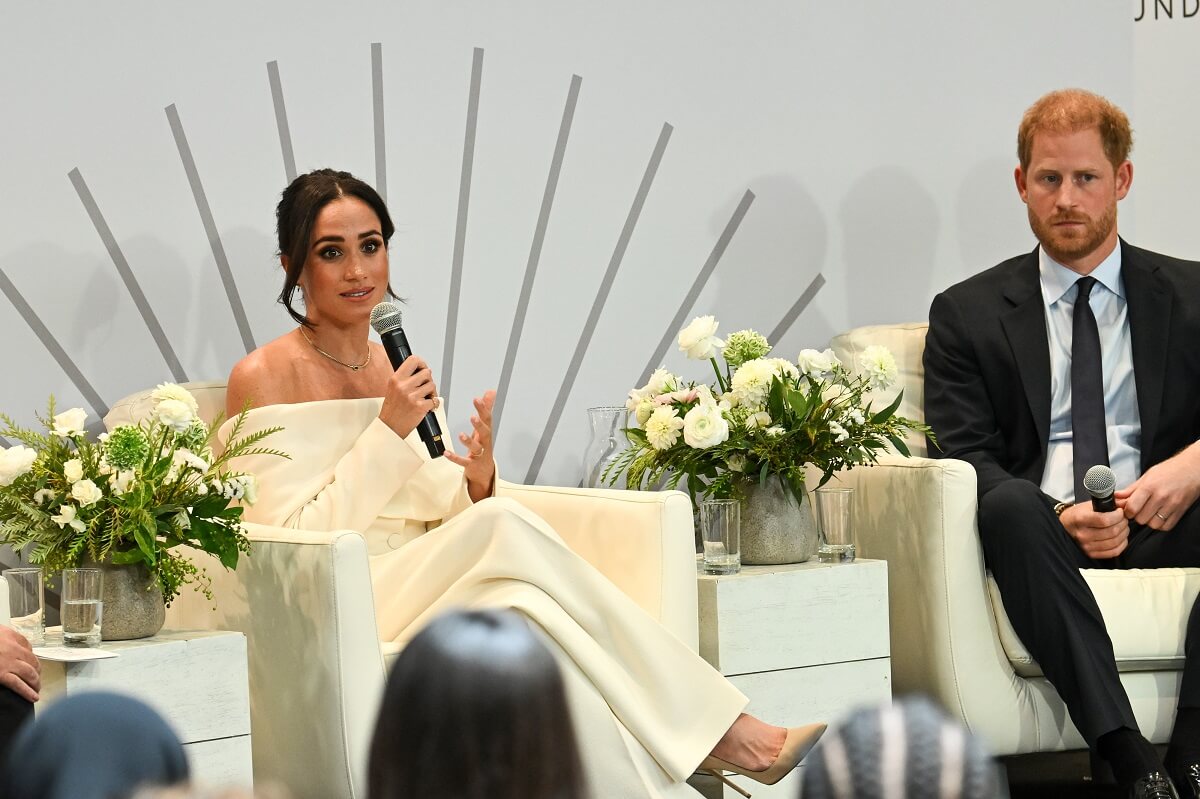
780	248
991	221
890	225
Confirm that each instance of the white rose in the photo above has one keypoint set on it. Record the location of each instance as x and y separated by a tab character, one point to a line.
661	381
73	470
816	363
699	339
171	391
643	410
175	414
15	462
251	483
878	364
756	420
122	482
736	463
42	495
663	426
66	516
705	427
69	423
86	493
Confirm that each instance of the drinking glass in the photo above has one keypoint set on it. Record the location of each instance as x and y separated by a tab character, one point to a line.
81	607
606	444
27	603
835	511
721	534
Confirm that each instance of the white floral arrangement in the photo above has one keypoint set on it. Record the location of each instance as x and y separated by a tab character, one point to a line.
763	417
130	497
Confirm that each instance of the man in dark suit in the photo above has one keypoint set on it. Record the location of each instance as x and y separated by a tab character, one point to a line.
1085	351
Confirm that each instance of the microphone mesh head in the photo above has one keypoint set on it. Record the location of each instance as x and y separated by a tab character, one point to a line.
1100	481
385	317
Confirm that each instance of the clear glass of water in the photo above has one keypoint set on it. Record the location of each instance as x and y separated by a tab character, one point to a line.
721	534
81	607
27	603
835	508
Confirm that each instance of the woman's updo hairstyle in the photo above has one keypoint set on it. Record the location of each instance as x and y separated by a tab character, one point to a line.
297	213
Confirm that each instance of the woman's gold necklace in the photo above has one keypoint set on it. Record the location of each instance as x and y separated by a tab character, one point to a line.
353	367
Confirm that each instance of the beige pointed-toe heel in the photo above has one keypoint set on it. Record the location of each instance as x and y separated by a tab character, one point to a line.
799	742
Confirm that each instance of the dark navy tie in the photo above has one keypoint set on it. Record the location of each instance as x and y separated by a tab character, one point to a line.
1089	434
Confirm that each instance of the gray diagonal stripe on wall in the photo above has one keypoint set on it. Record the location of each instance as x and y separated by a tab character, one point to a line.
797	308
52	346
689	300
460	229
589	327
127	277
4	442
281	121
535	252
210	228
377	106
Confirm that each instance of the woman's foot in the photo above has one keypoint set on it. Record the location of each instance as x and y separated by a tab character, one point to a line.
743	750
750	743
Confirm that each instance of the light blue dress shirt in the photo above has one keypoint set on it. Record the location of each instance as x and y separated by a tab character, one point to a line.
1121	417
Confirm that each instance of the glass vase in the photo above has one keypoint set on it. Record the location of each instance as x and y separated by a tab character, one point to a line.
606	443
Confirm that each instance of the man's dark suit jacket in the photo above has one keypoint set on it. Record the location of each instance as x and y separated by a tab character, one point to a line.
987	365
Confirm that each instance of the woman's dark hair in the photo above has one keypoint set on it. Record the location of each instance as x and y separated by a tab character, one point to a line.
297	212
475	707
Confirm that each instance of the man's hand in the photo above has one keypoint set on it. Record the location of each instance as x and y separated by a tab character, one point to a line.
1165	492
20	670
1099	535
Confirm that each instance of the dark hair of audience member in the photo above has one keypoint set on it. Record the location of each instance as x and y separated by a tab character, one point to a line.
475	707
907	750
93	745
297	212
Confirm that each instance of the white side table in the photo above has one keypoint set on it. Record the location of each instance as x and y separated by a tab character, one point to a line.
196	679
805	642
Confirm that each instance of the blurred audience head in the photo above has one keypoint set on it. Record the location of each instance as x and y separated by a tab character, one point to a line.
906	750
93	746
475	707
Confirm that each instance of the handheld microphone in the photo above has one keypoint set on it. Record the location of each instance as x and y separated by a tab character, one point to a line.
1100	483
385	319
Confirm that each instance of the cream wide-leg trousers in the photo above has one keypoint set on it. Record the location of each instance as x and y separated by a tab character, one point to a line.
646	708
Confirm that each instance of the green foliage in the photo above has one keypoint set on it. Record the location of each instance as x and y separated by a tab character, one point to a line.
142	491
779	417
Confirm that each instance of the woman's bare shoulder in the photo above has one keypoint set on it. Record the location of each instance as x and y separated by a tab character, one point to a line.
264	377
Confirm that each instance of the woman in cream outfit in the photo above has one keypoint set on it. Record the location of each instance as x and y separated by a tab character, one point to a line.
648	710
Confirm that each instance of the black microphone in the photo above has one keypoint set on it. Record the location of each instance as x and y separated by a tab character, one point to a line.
1100	483
386	318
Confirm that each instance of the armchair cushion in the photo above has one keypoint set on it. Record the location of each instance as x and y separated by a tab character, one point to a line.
1141	609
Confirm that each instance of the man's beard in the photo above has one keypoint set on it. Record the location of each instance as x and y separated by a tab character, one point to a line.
1065	247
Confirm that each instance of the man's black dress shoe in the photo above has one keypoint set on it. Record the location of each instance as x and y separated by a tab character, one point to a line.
1154	785
1187	780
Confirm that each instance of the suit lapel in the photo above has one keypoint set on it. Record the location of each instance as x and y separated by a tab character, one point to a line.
1025	326
1149	304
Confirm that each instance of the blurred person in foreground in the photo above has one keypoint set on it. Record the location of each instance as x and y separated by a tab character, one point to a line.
907	750
475	706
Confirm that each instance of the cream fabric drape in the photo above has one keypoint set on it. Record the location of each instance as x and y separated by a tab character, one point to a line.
646	708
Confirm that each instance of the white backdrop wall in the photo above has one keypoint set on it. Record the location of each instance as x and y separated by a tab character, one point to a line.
877	140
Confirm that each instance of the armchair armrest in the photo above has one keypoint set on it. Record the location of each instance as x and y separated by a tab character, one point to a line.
643	541
304	601
919	514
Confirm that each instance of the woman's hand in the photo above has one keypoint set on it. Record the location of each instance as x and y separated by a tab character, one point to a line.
478	464
20	670
409	396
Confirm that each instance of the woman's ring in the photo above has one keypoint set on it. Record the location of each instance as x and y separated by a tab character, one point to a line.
479	454
1159	515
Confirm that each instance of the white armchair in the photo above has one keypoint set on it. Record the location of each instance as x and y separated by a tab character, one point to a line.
304	601
950	636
